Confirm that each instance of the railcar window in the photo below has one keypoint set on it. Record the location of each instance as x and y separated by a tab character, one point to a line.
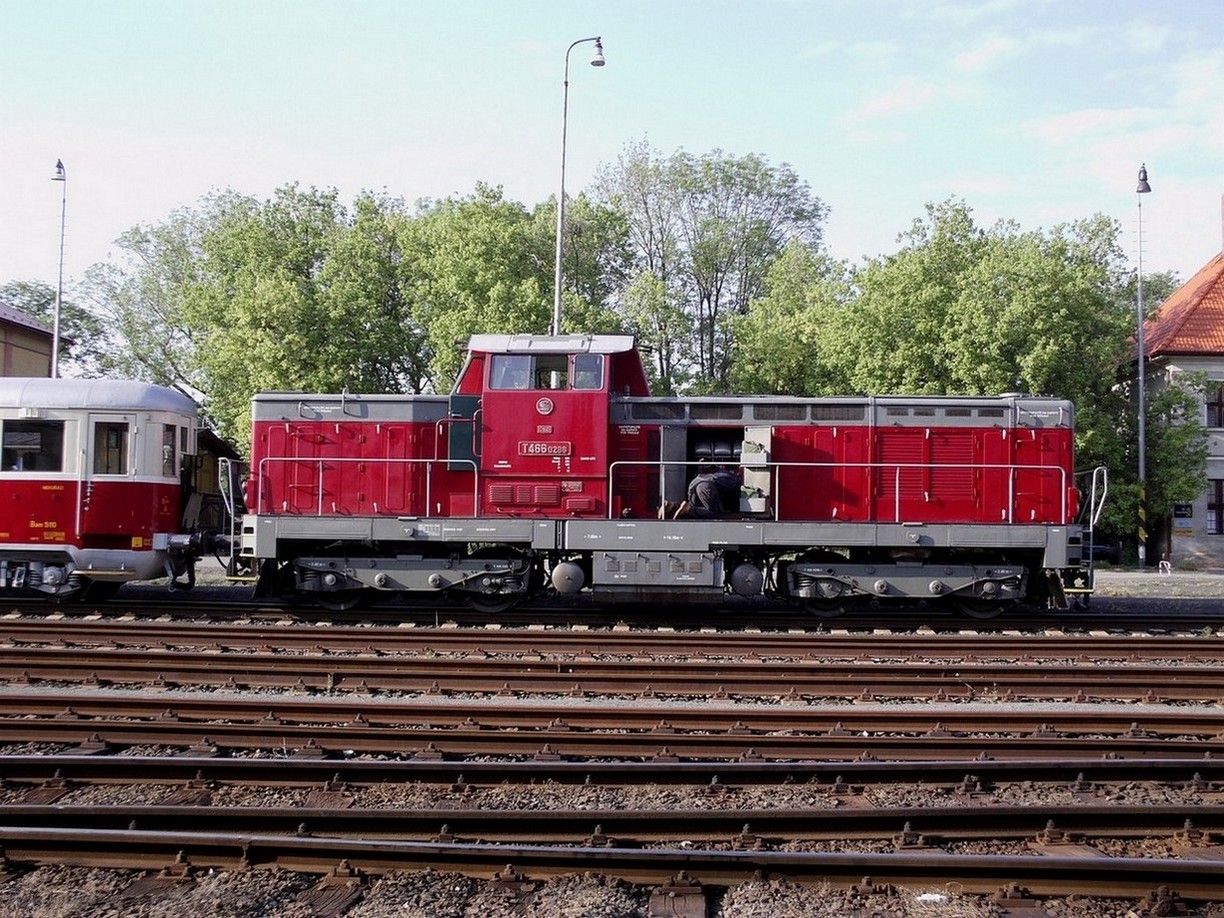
33	446
897	412
958	412
110	448
588	371
182	439
924	412
990	412
169	466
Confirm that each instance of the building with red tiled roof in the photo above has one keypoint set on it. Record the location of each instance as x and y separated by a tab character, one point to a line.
25	344
1187	336
1191	321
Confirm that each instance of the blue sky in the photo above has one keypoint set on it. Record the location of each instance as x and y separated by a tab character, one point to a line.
1031	110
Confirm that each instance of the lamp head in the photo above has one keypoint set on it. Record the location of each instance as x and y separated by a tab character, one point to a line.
597	59
1144	187
60	175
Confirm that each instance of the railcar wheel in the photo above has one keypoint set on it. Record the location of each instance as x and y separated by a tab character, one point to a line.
100	590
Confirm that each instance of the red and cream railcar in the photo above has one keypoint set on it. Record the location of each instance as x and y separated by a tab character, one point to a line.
90	487
550	459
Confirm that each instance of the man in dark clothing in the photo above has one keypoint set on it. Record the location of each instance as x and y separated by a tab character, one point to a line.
713	493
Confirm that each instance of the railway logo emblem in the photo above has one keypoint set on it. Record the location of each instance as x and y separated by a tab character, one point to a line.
545	405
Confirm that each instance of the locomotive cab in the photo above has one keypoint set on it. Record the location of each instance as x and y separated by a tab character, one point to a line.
533	418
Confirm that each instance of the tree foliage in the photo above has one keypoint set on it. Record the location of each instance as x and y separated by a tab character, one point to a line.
708	228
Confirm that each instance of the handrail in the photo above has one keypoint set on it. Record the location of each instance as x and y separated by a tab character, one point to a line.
1012	468
225	484
320	460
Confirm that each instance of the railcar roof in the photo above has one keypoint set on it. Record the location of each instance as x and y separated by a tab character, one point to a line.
551	344
100	394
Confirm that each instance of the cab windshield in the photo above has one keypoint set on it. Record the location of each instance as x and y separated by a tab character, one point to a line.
546	371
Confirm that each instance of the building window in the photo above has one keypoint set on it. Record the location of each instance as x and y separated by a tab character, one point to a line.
1215	507
33	446
1215	408
110	448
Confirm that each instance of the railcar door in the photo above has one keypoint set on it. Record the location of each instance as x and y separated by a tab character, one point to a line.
114	511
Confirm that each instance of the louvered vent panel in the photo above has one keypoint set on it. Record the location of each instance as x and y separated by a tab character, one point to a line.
547	495
501	494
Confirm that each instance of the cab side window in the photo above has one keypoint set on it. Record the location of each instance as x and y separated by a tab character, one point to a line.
110	448
588	371
32	446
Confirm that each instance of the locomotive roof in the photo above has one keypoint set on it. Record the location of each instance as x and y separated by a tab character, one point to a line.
551	344
109	394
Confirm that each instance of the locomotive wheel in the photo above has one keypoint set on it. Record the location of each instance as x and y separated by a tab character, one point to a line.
342	600
493	605
825	608
984	609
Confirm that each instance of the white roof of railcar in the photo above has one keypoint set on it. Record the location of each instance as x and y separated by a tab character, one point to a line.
93	394
551	344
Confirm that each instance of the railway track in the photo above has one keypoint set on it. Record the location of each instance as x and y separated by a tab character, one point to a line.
1043	874
1127	614
566	728
635	677
1204	775
334	638
475	716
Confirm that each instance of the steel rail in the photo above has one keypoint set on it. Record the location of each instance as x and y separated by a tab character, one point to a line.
584	730
483	675
337	638
647	715
1042	874
841	777
1050	825
1161	615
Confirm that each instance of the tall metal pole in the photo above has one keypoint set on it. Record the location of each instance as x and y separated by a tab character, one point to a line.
1142	189
596	61
60	176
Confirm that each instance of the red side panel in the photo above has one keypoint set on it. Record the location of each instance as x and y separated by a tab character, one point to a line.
635	488
114	514
925	475
38	511
355	468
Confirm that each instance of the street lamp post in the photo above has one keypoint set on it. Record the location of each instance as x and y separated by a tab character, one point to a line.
1141	189
597	60
60	176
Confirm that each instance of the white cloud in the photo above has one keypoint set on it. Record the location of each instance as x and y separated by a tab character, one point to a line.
990	51
905	96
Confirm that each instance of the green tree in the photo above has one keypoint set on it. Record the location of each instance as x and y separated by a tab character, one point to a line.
707	228
474	264
783	344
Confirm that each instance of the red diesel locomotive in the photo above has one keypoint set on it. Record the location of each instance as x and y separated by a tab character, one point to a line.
549	461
